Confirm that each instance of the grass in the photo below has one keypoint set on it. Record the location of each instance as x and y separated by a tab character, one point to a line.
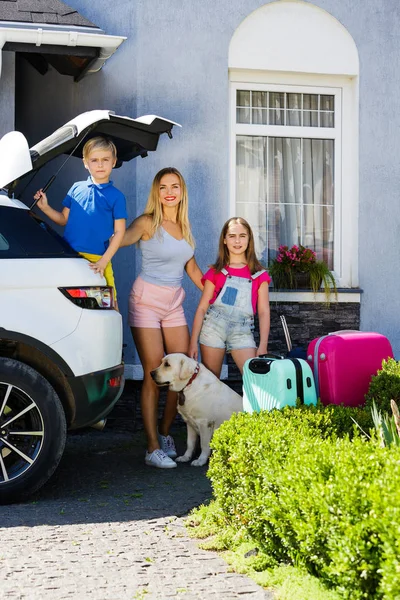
288	582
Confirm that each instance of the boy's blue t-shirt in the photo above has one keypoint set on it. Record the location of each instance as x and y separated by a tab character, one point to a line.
93	209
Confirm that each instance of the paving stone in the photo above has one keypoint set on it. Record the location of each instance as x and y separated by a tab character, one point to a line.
106	527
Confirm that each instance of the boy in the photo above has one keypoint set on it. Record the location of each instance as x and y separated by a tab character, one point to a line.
94	210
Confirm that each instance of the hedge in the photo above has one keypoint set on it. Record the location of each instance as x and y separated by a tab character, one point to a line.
385	386
309	497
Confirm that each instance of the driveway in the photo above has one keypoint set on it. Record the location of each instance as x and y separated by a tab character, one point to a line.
106	527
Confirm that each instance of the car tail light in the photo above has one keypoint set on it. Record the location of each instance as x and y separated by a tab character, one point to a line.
115	381
90	297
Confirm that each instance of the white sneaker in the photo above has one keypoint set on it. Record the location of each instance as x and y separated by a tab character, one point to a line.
159	459
167	444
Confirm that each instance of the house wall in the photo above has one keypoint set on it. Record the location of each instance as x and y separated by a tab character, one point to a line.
174	64
7	92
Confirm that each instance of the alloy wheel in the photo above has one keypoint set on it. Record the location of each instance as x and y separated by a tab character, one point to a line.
21	432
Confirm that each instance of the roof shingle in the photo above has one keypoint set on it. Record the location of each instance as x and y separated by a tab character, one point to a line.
42	11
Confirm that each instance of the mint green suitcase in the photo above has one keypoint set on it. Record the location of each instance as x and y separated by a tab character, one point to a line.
270	382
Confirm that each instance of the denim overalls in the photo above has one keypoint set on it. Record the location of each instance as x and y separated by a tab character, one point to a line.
229	322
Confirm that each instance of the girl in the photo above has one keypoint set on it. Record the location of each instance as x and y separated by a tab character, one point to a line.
234	288
156	315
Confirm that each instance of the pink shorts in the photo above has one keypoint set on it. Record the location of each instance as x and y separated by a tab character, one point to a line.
156	306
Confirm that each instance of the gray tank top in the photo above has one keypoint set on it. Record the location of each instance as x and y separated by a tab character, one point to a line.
164	259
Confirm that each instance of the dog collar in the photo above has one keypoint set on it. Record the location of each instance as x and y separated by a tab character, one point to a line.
193	377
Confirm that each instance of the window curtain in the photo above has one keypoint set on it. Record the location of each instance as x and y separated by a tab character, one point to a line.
285	190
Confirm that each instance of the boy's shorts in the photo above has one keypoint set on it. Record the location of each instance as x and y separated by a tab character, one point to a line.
155	306
108	271
220	331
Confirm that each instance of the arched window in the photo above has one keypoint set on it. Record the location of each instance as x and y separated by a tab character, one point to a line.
294	120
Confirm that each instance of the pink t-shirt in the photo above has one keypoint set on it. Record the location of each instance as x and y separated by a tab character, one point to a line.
218	279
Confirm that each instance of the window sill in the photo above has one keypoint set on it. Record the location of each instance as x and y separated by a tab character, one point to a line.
344	295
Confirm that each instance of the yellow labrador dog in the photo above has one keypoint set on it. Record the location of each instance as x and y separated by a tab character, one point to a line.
204	401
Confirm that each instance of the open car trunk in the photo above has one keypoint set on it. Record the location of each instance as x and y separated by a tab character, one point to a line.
132	137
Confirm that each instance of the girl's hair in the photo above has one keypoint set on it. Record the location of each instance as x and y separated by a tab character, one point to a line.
153	207
223	253
99	143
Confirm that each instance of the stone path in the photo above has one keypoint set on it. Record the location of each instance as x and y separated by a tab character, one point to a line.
106	527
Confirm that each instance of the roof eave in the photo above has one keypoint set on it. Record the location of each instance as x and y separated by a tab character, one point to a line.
65	37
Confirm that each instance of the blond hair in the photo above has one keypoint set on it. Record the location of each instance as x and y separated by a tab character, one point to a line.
223	253
154	210
99	143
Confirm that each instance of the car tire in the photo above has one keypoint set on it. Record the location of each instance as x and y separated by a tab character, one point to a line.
32	430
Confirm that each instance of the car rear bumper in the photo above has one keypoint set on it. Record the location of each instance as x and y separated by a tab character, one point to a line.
95	395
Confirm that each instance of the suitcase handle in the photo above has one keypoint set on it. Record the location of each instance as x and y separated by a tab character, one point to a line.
259	365
273	355
286	332
298	352
344	331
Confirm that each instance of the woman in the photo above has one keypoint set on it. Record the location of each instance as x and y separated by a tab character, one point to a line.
156	315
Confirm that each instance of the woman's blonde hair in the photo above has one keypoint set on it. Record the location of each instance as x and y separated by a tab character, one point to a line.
223	253
153	207
99	143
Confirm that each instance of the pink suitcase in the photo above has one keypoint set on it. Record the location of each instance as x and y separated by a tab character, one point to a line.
343	363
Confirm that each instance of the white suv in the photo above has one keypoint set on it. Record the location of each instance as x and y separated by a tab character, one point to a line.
60	337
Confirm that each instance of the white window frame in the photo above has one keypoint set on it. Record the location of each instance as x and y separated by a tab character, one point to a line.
345	134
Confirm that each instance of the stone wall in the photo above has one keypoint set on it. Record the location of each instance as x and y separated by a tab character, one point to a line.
310	320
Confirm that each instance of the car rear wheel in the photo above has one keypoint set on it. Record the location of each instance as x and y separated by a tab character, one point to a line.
32	430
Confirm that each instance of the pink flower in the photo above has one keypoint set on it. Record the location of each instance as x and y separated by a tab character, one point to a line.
296	256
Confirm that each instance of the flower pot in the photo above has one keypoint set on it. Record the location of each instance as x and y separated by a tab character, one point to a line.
295	280
302	279
297	268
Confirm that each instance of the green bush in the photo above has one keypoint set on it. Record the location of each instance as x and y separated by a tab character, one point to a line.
344	419
384	386
306	496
